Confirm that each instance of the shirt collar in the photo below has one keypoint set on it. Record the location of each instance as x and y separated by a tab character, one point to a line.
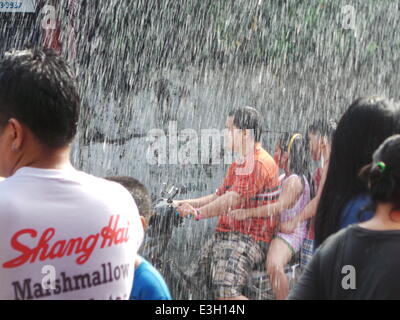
242	159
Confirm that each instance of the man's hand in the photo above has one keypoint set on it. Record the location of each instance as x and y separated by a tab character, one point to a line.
289	226
185	210
239	214
177	203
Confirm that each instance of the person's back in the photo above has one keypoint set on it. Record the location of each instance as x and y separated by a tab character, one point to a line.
81	225
361	264
301	202
63	234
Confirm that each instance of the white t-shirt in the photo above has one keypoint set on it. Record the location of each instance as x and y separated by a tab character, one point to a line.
65	234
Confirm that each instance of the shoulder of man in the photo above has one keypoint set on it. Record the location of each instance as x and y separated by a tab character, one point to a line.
266	162
114	188
7	196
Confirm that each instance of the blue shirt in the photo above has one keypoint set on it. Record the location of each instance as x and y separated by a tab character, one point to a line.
351	213
148	284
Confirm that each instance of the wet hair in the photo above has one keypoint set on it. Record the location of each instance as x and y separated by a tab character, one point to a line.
323	128
363	127
248	118
38	89
383	174
298	155
139	193
284	140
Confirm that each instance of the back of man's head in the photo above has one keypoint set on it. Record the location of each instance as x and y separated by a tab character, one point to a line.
139	193
39	90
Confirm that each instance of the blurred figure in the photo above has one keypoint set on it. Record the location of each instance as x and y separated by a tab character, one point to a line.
64	234
148	283
362	260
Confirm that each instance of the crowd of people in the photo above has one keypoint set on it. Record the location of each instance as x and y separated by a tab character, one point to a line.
341	221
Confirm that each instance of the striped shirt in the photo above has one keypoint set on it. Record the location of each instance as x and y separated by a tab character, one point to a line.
256	180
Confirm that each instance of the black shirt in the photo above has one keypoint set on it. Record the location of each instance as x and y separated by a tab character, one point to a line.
355	263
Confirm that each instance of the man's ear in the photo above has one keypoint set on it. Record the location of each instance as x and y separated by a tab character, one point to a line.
17	134
144	223
324	142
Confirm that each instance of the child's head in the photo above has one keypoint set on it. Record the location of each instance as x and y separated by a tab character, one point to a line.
383	174
319	135
280	154
140	195
290	151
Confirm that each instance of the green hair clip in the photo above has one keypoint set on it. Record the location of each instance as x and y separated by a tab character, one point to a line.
382	166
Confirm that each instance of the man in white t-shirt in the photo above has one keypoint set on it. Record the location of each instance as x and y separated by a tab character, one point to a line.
64	234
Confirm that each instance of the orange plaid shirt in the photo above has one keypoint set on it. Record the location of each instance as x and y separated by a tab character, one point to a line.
258	187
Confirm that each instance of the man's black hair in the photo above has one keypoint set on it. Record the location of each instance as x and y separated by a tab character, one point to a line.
248	118
323	128
38	89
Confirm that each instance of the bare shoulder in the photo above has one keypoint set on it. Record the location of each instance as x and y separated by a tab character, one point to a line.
293	183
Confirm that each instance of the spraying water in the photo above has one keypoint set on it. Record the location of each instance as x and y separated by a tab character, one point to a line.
145	65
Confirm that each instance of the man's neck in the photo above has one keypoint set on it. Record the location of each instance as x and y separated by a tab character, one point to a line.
44	159
248	148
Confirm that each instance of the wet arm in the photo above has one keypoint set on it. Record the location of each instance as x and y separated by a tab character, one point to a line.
311	209
291	191
220	205
199	202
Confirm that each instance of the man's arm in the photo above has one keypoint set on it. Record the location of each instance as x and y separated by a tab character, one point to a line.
309	211
197	203
215	208
220	205
291	191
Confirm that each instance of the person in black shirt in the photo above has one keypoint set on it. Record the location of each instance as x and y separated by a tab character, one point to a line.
362	261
